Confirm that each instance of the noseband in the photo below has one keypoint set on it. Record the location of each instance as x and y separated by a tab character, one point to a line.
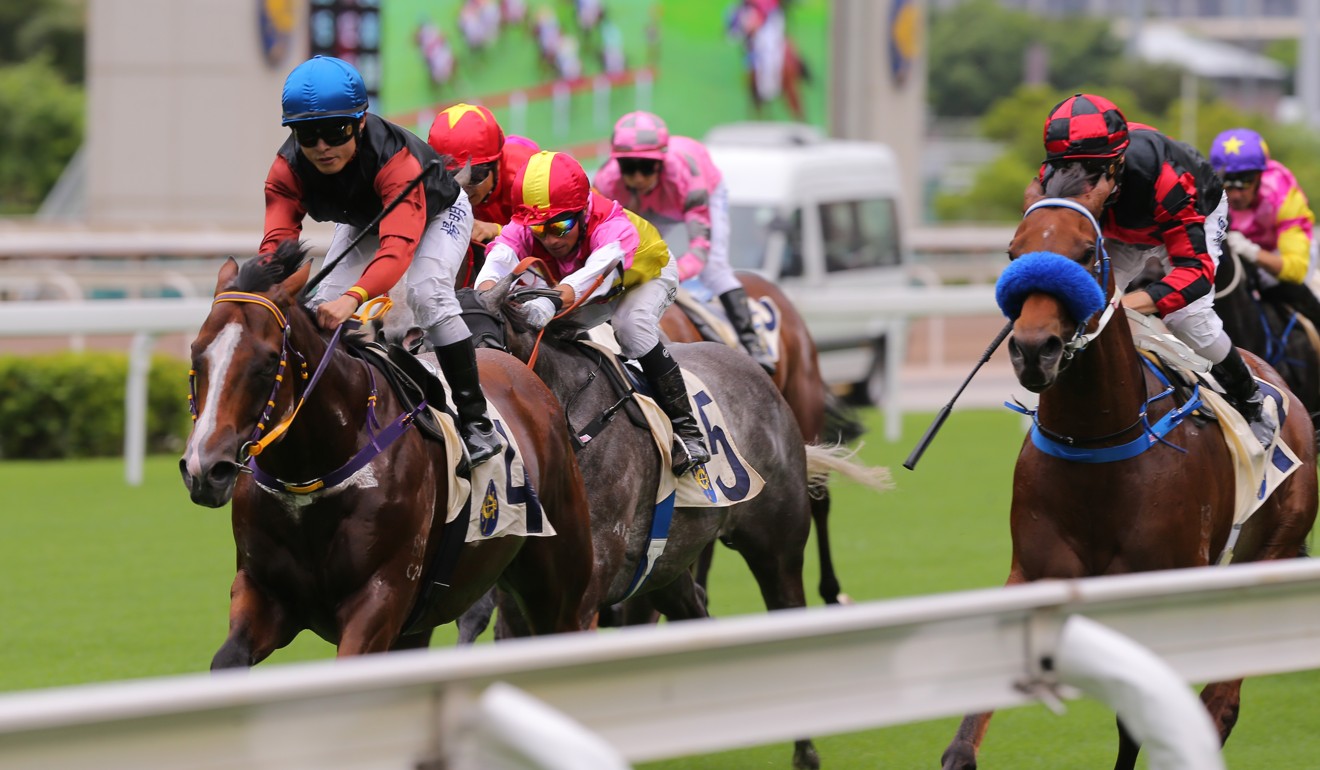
1082	338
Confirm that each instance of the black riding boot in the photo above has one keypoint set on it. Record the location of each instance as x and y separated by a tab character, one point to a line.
459	361
1299	297
1244	394
735	305
670	392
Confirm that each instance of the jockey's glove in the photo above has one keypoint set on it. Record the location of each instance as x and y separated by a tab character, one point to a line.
1242	245
538	312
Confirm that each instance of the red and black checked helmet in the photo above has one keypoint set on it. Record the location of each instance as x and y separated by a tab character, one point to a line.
1085	126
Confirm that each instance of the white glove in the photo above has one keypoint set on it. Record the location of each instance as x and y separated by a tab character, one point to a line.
1242	246
538	312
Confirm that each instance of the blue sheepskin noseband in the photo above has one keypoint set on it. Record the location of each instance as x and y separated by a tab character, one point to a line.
1051	273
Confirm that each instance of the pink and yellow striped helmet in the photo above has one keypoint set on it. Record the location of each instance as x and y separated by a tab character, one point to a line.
551	184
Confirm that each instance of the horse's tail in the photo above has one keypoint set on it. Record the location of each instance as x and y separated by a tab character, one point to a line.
824	459
841	423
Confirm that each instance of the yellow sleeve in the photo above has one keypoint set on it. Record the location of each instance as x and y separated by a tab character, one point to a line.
1294	244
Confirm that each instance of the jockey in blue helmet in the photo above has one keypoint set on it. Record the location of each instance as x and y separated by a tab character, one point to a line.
343	164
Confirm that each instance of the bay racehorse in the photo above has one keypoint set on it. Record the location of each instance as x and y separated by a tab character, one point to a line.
820	415
347	555
623	469
1272	330
1109	508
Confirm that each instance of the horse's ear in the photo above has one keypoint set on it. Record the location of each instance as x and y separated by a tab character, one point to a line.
1035	191
227	273
294	283
493	297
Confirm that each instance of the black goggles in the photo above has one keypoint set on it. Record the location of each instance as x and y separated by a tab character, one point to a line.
1240	181
643	166
332	132
478	173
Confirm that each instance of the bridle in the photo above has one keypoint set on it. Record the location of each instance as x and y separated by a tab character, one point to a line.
1081	338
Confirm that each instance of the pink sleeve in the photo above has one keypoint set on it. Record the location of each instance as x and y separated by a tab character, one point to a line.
617	229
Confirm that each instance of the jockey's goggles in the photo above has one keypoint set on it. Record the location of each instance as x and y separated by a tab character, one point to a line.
478	173
559	227
332	132
643	166
1240	181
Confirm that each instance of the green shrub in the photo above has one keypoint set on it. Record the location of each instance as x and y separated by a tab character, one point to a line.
72	405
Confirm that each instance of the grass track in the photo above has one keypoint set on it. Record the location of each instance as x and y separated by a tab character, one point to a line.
108	582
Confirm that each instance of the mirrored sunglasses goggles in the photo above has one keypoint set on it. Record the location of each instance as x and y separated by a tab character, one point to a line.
558	228
333	132
1240	182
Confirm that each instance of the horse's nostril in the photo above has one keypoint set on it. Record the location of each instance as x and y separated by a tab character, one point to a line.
222	474
1051	348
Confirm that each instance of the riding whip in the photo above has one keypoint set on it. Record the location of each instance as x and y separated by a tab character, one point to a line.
325	269
911	462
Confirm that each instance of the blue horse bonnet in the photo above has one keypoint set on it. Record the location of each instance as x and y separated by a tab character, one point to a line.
323	87
1051	273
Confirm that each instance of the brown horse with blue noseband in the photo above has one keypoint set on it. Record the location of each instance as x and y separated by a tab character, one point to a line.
1115	476
348	550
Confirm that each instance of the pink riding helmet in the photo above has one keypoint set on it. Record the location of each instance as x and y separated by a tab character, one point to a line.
640	135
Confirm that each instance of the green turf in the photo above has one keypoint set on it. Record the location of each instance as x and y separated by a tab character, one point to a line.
109	582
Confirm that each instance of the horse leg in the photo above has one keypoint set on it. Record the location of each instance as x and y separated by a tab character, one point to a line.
372	620
258	625
475	619
702	566
1127	749
418	641
682	599
829	582
1222	700
961	751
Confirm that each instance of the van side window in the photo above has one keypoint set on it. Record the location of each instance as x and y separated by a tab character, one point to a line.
859	234
791	264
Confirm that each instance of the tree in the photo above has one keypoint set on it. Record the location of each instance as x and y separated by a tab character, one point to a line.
42	129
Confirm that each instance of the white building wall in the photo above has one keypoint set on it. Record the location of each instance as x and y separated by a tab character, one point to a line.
183	112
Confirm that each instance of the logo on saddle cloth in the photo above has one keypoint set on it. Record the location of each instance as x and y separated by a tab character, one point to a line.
703	482
490	510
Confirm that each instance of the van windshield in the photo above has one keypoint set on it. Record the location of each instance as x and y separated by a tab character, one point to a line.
750	228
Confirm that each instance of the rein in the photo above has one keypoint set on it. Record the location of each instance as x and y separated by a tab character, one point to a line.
580	298
260	439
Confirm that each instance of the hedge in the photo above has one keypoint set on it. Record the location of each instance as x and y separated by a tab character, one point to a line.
72	405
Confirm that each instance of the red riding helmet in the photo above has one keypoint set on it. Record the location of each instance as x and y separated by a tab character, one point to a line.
466	133
551	184
1085	126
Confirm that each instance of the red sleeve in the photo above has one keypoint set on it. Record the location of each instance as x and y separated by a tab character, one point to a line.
284	209
1182	229
401	229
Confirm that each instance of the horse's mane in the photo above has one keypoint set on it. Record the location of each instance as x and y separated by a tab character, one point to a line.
265	271
1071	179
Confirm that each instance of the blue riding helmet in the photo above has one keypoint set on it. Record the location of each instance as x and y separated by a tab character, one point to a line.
1239	150
323	87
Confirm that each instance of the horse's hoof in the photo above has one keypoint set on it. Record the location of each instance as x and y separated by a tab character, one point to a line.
956	759
845	599
805	756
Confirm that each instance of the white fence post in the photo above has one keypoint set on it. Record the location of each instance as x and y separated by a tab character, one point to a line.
135	407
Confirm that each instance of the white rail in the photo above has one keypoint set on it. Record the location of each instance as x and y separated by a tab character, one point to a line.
689	688
145	319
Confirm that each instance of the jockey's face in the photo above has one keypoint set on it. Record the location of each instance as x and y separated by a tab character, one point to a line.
479	191
640	175
560	244
1241	193
316	143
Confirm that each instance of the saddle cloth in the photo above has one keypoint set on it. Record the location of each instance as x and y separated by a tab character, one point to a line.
727	478
507	504
1258	470
765	318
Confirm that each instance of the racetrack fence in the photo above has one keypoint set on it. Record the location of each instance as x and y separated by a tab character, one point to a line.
603	700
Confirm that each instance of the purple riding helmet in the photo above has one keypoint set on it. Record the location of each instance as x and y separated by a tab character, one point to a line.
1239	151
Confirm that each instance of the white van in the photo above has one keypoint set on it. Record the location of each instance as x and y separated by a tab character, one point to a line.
821	218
